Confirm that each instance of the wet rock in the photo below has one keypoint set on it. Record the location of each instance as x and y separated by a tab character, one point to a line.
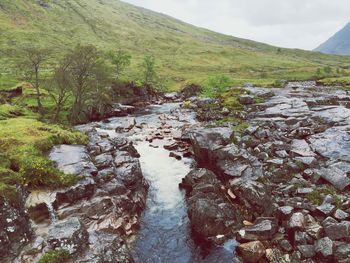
171	96
210	212
127	125
206	140
256	194
70	235
15	229
83	189
176	156
324	247
252	251
72	159
106	248
263	229
103	161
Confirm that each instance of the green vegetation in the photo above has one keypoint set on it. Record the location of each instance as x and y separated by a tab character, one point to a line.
24	141
58	256
185	54
341	81
318	194
215	86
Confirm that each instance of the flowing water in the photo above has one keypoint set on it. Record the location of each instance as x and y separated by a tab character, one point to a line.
164	235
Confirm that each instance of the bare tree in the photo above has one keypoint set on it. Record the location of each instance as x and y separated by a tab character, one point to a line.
31	66
60	86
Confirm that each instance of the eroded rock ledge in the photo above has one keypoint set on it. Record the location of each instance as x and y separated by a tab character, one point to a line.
95	219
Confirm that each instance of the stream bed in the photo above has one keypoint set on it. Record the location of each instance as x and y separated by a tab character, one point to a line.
164	234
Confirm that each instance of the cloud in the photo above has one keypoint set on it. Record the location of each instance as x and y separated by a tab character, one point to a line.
287	23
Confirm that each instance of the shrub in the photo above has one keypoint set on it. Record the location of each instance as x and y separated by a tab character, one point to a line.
216	85
59	256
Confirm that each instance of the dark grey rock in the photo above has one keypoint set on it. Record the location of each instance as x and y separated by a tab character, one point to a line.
70	235
263	229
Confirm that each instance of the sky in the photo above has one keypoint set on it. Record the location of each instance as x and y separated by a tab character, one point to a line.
301	24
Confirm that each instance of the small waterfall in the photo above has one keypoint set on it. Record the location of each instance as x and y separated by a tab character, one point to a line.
52	212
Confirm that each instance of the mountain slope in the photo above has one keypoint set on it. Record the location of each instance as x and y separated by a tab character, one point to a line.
185	53
338	44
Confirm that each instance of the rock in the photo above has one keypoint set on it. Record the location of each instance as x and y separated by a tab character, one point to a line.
70	235
342	252
341	215
103	161
333	144
209	210
335	230
297	221
15	228
285	211
314	230
263	229
127	125
254	193
275	256
206	140
326	209
307	251
252	251
336	177
176	156
246	99
171	96
286	246
83	189
106	248
324	247
72	159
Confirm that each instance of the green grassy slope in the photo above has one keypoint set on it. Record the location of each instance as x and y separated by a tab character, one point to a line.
185	53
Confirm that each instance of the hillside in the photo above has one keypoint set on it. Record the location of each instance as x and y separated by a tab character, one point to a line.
185	53
338	44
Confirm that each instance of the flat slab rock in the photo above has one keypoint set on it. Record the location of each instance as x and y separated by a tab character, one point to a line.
334	143
72	159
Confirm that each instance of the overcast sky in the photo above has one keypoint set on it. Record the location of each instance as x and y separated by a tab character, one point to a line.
286	23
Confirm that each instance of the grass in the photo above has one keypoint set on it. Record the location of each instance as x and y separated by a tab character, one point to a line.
58	256
24	142
318	194
184	53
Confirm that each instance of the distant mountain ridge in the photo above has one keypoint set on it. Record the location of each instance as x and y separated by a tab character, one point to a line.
339	44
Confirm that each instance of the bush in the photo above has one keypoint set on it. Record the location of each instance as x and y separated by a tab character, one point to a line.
216	85
59	256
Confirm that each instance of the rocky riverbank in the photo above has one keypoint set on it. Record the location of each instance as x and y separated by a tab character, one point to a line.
94	220
276	181
281	184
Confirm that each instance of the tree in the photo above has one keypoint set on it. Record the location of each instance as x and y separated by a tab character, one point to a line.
31	66
83	61
60	86
149	73
89	75
121	60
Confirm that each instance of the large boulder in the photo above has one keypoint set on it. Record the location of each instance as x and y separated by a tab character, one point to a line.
252	251
206	140
210	212
70	235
